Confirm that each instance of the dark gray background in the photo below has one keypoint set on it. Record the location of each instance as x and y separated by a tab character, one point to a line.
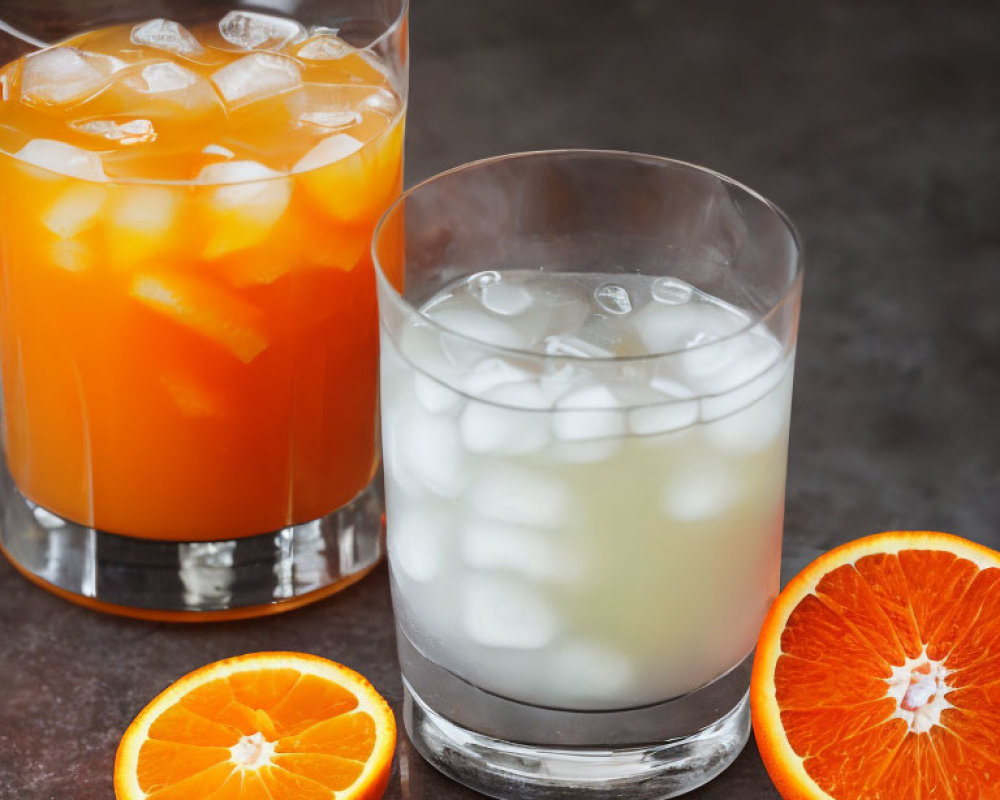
874	124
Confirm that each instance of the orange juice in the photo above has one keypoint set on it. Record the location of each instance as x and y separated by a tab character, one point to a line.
187	308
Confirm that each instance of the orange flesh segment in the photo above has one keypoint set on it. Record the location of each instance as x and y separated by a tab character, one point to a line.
837	649
262	734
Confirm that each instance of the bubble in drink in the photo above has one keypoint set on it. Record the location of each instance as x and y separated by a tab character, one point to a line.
613	298
61	75
167	35
133	131
249	30
256	77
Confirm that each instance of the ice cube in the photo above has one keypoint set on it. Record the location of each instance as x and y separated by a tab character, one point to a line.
474	324
500	612
140	221
761	419
75	210
256	77
166	77
418	535
593	412
133	131
164	80
490	373
671	291
671	387
434	395
420	345
249	30
165	34
71	255
574	346
218	150
247	208
504	428
664	328
510	493
583	671
490	545
330	119
662	417
63	159
699	491
60	75
192	397
332	148
324	47
613	298
720	366
500	296
381	101
424	450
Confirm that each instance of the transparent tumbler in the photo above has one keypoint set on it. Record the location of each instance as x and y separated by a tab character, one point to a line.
586	384
188	324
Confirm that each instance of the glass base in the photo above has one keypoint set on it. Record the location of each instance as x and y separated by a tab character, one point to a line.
515	771
507	749
193	581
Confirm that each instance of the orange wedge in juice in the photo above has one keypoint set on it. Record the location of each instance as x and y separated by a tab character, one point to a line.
264	726
877	673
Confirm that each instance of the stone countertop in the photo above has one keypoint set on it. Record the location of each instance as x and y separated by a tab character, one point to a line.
876	126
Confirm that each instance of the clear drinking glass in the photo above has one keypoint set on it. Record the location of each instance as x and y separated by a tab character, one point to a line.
188	325
586	381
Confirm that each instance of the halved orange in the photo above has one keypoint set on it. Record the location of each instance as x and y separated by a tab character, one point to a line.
264	726
877	674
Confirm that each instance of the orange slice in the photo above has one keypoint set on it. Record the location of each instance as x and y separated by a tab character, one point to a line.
877	673
264	726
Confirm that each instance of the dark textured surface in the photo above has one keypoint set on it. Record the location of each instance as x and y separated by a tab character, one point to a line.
875	125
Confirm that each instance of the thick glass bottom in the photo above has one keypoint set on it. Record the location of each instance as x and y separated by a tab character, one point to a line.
506	749
193	581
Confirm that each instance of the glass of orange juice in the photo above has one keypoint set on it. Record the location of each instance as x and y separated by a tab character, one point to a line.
188	327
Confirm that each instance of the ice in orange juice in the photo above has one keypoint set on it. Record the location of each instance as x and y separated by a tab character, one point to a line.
187	307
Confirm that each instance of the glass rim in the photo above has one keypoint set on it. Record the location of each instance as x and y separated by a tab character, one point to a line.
790	291
27	38
390	30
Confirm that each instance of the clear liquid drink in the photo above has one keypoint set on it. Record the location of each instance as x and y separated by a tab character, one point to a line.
566	536
586	376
